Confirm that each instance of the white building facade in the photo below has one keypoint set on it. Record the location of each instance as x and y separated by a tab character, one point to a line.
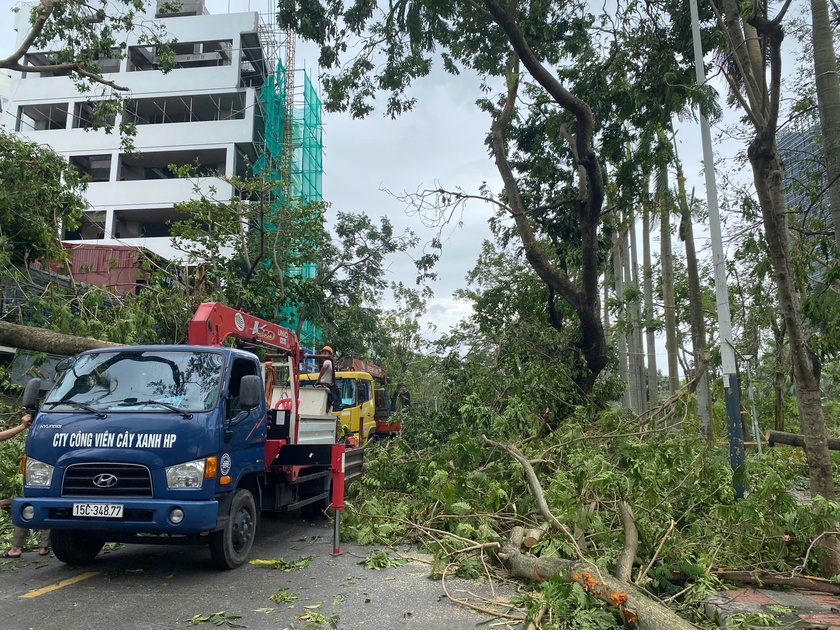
205	112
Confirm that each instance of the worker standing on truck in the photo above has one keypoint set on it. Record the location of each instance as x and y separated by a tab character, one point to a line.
327	378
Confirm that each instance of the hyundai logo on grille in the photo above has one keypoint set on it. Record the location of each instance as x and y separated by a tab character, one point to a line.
105	480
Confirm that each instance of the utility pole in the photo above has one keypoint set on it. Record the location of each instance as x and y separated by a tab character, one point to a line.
727	348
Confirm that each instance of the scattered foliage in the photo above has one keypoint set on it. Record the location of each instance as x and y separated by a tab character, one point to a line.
379	559
217	619
284	595
282	565
316	620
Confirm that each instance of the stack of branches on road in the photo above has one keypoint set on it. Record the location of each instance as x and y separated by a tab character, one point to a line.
578	496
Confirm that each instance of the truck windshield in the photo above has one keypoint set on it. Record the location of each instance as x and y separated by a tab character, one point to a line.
110	380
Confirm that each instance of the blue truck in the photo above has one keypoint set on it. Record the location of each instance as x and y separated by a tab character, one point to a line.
178	444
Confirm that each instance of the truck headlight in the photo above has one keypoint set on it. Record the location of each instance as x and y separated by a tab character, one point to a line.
186	475
37	473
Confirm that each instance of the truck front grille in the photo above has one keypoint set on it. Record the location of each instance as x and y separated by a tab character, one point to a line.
107	480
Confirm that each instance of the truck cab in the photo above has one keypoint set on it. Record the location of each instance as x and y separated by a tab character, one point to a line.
171	444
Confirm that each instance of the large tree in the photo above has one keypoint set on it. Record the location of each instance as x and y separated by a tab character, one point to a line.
40	191
828	100
755	77
492	38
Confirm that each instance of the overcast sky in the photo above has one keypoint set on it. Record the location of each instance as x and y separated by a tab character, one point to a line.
439	144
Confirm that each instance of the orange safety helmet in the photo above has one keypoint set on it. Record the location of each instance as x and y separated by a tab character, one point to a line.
327	349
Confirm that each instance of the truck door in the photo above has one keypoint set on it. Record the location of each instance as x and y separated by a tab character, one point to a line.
366	408
244	430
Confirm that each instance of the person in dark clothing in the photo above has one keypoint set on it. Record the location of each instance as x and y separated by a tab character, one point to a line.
404	397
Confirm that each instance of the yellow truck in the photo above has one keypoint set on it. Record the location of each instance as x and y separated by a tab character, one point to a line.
364	405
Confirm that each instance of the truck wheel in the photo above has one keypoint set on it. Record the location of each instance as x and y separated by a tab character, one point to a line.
230	547
74	547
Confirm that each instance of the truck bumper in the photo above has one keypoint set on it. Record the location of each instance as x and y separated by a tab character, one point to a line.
139	515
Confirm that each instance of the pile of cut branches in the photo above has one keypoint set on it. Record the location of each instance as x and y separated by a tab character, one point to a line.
601	510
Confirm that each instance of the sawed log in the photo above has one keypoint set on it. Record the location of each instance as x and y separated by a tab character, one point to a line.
49	341
634	606
532	535
795	439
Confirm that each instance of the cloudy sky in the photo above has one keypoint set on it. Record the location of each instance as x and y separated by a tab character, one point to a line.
439	144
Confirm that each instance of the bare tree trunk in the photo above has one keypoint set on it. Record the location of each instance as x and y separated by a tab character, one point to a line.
631	318
650	335
755	43
779	373
50	341
767	174
828	102
695	307
637	356
607	331
618	281
582	294
669	305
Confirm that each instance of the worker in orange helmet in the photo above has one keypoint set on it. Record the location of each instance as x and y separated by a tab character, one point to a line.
326	378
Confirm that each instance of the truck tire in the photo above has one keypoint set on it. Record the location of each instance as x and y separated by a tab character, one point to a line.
76	547
230	547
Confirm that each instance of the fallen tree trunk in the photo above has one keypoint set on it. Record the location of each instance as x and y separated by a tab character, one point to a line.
763	577
49	341
533	534
635	607
795	439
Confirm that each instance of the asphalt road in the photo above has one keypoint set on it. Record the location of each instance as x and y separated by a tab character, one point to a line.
144	586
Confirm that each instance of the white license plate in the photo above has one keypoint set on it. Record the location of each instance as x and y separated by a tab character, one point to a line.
108	510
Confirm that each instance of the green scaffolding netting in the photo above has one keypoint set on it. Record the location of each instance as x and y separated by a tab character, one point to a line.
303	157
306	148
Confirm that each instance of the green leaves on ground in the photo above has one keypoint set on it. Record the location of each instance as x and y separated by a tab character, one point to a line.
379	559
284	595
216	619
282	565
443	494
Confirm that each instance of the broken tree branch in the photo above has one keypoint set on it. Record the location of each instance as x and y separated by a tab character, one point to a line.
462	602
765	577
644	573
536	489
635	607
794	439
624	564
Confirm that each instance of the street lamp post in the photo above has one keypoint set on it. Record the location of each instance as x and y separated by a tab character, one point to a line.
727	348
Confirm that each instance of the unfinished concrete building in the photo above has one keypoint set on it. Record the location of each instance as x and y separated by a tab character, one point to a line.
209	111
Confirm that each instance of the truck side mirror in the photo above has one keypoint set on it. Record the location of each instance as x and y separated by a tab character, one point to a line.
250	391
31	394
65	364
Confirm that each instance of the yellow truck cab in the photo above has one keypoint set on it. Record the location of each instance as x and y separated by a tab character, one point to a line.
364	404
358	407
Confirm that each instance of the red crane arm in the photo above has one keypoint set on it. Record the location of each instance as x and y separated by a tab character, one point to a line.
214	322
374	370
